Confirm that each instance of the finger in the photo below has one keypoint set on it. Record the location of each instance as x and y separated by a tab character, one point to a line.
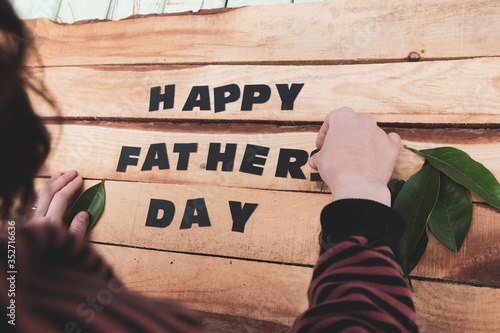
47	193
61	199
79	225
55	175
395	138
320	139
312	162
395	141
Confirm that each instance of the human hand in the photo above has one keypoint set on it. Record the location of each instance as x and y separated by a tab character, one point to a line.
357	157
52	201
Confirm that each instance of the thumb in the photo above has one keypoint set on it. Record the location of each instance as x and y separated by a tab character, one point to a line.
395	138
312	162
79	224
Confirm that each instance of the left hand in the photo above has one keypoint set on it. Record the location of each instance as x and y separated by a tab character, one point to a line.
53	199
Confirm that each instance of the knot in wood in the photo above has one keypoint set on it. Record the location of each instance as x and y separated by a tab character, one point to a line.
413	56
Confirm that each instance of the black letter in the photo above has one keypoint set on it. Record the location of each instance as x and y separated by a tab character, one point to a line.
315	177
167	98
155	205
249	98
161	162
201	218
240	216
288	96
215	156
220	98
125	158
250	159
192	101
184	149
285	165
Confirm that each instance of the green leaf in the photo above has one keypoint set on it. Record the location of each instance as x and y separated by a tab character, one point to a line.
395	186
415	203
418	252
452	216
90	201
461	168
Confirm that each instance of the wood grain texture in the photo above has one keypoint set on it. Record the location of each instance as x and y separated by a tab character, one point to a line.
77	10
257	290
444	92
336	31
456	308
477	262
274	232
95	150
276	293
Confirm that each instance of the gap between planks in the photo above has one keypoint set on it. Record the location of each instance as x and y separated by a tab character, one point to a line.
204	254
90	121
276	63
460	132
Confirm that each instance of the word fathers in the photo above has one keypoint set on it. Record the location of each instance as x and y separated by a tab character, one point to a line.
290	161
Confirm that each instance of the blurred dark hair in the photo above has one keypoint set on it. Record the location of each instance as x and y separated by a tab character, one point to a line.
24	141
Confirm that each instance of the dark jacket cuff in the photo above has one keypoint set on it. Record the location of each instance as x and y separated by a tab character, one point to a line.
360	217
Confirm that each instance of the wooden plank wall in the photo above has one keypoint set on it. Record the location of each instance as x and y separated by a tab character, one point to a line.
358	53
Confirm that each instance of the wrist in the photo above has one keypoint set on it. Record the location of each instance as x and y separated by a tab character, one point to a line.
370	191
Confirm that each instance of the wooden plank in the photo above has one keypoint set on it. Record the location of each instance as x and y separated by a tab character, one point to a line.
211	284
333	31
95	151
223	323
269	234
456	308
477	262
444	92
77	10
31	9
277	293
273	232
124	8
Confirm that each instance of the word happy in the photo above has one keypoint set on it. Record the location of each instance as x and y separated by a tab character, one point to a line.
200	97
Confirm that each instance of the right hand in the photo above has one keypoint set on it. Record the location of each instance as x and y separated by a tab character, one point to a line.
357	157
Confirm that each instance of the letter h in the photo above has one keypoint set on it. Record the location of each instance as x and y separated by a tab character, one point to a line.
167	98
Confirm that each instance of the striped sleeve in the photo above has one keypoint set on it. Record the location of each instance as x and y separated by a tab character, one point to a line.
357	283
